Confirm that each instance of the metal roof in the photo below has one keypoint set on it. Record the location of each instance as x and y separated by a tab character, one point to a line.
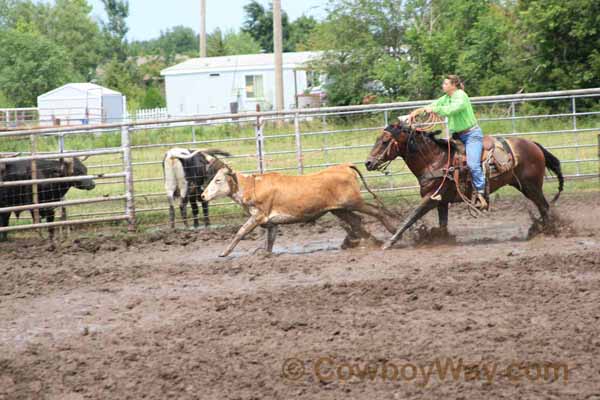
240	63
84	88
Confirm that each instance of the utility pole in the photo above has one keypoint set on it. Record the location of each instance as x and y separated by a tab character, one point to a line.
278	49
202	28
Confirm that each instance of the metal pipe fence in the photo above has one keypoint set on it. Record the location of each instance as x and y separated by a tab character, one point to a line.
124	156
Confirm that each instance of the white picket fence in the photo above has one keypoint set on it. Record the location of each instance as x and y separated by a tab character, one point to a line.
150	114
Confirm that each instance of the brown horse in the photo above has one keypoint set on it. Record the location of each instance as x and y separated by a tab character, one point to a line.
427	158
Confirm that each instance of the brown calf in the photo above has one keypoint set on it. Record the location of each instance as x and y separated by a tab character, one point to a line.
273	199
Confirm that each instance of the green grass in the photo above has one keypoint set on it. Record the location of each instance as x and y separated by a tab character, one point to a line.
318	150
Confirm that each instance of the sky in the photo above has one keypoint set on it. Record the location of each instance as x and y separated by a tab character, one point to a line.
147	18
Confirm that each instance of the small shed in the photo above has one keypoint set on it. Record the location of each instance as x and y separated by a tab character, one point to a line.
81	104
220	85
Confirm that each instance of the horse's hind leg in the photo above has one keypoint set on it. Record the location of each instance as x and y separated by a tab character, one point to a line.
534	193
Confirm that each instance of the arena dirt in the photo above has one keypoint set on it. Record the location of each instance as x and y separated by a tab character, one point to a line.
161	316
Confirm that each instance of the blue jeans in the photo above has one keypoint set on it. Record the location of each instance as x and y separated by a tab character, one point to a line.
473	142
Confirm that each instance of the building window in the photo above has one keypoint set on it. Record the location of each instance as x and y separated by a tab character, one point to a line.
254	86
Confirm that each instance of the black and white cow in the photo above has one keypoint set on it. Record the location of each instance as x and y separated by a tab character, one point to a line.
186	173
12	196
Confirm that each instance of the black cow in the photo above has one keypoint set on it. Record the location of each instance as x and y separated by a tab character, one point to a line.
186	173
13	196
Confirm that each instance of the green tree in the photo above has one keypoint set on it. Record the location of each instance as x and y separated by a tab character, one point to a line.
152	98
358	36
494	59
5	102
300	31
259	24
69	24
563	38
13	12
401	49
215	44
30	65
124	76
240	43
115	29
177	40
228	43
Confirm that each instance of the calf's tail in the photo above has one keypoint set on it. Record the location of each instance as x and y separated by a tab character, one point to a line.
377	198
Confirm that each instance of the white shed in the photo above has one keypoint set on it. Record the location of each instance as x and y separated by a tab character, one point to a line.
218	85
81	104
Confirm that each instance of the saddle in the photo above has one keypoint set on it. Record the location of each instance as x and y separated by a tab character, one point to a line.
497	158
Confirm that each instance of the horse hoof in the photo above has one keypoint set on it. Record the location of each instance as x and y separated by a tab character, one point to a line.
386	246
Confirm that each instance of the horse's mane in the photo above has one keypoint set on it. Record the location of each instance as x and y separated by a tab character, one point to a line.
443	143
396	129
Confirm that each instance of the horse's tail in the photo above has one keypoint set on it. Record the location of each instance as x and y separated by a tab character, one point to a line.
377	198
553	164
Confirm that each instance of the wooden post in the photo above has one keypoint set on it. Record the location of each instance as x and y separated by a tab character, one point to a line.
202	28
34	187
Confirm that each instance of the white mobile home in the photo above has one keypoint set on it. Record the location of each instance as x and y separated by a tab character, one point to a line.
80	104
218	85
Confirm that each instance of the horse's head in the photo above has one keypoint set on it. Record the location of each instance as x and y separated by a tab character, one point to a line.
388	145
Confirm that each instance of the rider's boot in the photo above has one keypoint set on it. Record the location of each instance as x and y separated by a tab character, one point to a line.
482	202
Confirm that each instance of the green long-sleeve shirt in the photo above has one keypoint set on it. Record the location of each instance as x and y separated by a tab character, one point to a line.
458	109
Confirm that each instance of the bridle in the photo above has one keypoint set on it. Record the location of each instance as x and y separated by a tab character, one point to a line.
412	134
387	154
393	145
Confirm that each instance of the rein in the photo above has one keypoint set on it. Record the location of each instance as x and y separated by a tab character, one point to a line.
387	153
432	120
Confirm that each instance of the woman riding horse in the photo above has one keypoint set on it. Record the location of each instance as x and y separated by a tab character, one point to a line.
429	159
456	105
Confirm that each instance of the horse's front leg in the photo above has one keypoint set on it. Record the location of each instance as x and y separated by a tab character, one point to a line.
427	204
443	216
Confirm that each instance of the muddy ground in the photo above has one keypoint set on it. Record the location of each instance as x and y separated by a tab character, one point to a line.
161	316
